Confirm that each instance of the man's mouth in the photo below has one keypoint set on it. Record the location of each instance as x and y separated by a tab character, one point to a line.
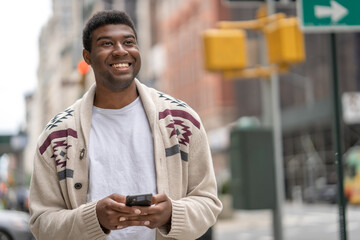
121	65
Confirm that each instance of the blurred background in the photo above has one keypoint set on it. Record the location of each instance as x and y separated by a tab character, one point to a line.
271	135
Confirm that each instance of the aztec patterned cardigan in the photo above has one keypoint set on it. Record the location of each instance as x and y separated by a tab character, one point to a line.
183	162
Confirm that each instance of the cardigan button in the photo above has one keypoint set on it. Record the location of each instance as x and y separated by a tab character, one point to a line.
82	153
78	185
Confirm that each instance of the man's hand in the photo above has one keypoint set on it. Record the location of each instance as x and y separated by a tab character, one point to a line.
158	214
114	214
110	210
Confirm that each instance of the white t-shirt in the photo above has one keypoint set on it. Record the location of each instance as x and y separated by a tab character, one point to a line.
121	161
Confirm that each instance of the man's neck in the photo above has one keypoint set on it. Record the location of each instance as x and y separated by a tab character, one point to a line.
105	98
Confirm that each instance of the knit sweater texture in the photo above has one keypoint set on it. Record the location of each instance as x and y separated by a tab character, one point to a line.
184	171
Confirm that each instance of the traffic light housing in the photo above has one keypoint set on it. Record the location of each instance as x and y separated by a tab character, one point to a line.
285	41
225	49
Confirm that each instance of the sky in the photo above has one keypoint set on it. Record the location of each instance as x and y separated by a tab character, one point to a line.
20	25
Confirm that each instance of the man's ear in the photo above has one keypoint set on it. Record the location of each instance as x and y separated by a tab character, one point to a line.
86	56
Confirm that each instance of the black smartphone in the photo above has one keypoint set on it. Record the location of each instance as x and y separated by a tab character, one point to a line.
139	200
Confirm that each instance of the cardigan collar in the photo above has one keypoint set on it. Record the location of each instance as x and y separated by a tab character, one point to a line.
88	101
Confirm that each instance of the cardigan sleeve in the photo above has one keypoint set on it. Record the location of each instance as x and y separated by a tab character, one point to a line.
195	213
51	217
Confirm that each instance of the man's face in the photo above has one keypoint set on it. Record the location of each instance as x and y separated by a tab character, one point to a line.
114	56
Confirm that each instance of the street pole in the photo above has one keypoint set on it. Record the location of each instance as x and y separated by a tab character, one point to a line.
273	92
279	179
337	138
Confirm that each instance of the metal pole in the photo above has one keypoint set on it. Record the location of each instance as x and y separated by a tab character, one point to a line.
265	87
279	179
277	136
337	138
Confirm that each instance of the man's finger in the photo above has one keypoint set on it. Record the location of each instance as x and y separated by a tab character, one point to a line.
118	198
125	224
159	198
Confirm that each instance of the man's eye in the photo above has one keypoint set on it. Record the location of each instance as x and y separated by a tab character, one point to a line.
106	44
129	42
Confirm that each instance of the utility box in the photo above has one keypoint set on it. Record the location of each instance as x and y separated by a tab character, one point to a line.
225	49
252	168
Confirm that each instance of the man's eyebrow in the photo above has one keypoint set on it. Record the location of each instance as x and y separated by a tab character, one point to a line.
108	37
130	36
102	37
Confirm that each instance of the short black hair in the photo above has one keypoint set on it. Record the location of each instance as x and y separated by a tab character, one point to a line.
104	18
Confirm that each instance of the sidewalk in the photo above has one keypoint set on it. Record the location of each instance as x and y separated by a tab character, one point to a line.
243	222
300	222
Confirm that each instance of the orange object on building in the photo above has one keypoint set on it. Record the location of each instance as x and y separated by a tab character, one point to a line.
83	67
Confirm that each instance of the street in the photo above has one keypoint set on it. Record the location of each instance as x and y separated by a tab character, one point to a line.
300	222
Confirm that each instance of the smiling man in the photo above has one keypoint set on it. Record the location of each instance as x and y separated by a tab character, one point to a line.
122	138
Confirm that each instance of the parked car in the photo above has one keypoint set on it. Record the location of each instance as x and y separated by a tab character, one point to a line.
14	225
326	193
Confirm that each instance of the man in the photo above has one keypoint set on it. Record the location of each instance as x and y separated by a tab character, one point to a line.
122	138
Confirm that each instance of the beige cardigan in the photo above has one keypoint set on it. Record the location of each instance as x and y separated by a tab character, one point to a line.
184	171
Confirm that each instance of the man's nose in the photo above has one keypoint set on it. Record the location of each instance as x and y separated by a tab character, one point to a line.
119	50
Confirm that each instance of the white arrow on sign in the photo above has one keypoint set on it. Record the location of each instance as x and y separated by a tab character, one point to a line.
335	11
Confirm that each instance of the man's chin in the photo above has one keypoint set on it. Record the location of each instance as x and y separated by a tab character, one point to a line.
118	86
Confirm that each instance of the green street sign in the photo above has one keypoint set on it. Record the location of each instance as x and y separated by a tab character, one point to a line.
329	15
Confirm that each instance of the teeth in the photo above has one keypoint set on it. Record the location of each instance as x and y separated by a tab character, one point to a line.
121	65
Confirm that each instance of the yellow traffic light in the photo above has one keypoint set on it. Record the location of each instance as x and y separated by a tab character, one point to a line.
285	41
225	49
